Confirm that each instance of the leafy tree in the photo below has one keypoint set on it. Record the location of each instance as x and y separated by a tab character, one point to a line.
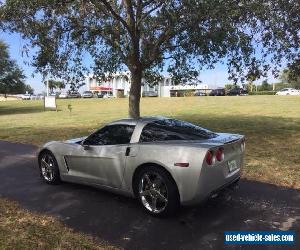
280	85
294	71
148	36
60	85
291	75
11	76
53	84
265	86
229	86
28	89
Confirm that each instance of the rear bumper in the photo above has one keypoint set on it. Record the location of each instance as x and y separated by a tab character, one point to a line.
203	194
211	181
230	185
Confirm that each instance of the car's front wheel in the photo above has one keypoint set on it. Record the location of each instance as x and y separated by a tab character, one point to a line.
49	168
157	191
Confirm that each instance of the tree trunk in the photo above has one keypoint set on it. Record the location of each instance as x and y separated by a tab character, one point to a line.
135	93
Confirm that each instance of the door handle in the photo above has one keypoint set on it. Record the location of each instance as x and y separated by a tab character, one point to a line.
127	151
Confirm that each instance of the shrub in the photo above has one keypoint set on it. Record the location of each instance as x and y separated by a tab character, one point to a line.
271	92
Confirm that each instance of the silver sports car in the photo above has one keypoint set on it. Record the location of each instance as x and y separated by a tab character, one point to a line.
163	162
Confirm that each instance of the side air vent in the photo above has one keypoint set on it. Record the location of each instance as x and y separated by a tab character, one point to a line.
66	163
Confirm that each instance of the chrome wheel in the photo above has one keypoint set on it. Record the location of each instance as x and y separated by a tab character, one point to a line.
153	192
47	167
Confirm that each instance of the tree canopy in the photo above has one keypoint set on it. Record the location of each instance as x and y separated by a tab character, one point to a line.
265	86
54	84
11	76
291	75
180	37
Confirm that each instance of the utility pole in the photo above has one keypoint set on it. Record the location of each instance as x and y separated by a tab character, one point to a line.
47	86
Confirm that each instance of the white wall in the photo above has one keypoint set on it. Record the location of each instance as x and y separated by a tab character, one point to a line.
163	89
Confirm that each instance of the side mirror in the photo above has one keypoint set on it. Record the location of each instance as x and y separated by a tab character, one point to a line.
85	146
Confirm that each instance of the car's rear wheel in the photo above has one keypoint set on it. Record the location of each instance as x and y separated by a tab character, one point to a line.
49	168
157	191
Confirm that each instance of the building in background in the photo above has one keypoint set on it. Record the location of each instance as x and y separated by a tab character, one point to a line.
119	86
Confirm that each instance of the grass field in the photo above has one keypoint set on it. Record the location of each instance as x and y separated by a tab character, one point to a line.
271	125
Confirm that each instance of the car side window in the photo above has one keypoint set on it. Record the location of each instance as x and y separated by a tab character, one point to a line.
152	132
111	135
170	129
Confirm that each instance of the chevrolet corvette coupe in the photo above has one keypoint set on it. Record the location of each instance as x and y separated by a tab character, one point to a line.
162	162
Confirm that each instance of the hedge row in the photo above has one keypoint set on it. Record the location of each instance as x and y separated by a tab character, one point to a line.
263	92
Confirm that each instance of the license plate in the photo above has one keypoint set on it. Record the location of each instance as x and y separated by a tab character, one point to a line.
232	165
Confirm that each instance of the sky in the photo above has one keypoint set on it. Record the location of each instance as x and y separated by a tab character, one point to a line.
216	77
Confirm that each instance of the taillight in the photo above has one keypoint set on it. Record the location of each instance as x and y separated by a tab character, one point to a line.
220	154
210	158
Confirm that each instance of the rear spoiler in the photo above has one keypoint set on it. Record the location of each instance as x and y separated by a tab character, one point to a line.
232	141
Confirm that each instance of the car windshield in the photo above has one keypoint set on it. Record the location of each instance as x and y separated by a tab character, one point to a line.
171	129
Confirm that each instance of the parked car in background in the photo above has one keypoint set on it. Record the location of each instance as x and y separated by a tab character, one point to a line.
100	95
56	94
150	94
108	95
74	94
25	97
288	91
199	93
34	97
87	94
162	162
237	91
63	95
217	92
40	96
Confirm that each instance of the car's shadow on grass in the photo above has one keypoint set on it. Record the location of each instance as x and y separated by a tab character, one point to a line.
121	221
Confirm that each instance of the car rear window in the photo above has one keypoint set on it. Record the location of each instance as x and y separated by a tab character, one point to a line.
171	129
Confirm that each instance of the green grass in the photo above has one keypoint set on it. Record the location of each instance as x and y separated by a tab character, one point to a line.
271	125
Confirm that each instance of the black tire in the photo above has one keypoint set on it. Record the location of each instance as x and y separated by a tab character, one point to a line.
173	199
53	167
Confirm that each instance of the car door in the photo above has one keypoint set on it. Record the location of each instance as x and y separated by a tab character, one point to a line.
81	161
101	158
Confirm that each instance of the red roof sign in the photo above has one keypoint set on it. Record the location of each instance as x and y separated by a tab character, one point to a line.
101	88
